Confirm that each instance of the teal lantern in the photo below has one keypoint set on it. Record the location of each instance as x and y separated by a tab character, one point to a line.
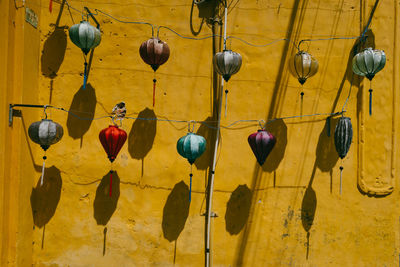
86	37
367	63
191	146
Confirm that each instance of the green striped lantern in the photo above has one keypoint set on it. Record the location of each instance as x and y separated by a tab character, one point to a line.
367	63
86	37
191	146
343	137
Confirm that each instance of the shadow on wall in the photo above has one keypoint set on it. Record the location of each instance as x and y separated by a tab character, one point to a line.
279	129
53	52
205	160
326	155
238	209
45	198
104	205
83	105
142	135
176	211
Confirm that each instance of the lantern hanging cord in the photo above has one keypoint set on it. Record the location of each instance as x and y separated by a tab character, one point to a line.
192	122
214	35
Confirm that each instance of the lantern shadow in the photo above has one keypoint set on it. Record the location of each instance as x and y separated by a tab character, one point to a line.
238	209
142	135
278	129
175	212
81	113
45	198
205	160
308	209
105	205
326	155
53	52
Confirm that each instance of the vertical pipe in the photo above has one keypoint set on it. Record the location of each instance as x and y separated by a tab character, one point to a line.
211	185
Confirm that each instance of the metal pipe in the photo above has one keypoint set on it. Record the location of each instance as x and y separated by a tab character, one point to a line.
211	185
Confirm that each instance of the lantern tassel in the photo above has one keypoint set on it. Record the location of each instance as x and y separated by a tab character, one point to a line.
85	76
154	91
370	101
190	187
111	172
340	188
301	103
226	102
43	167
51	6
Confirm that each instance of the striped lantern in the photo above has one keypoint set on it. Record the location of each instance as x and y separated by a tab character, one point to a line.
86	37
45	133
262	143
226	64
303	66
191	146
367	63
155	53
343	137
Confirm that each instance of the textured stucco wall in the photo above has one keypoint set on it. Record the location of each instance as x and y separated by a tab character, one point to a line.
287	213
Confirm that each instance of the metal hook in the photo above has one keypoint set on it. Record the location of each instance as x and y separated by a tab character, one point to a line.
261	123
44	111
189	122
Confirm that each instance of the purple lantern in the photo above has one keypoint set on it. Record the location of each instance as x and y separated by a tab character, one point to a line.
262	143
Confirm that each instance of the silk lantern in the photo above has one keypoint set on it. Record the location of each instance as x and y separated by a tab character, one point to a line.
367	63
191	146
226	64
262	142
86	37
155	53
112	139
343	137
45	133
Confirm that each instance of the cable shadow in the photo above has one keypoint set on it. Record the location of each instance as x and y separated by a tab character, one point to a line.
45	198
83	105
142	135
349	75
53	52
238	209
278	129
105	205
205	160
276	100
175	212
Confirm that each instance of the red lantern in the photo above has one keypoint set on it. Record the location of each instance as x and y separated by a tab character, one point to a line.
112	139
155	53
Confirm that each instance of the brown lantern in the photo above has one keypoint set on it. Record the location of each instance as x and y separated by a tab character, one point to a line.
155	53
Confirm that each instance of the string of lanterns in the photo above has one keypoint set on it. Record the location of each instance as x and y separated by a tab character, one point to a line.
155	52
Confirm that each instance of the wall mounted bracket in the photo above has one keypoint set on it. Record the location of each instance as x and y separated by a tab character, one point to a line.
17	113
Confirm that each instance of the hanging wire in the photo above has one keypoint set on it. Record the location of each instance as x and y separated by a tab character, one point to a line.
214	35
191	123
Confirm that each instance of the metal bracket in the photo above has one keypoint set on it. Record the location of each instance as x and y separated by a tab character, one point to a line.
213	214
17	113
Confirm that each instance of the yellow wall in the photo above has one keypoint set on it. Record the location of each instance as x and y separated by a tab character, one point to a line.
287	213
